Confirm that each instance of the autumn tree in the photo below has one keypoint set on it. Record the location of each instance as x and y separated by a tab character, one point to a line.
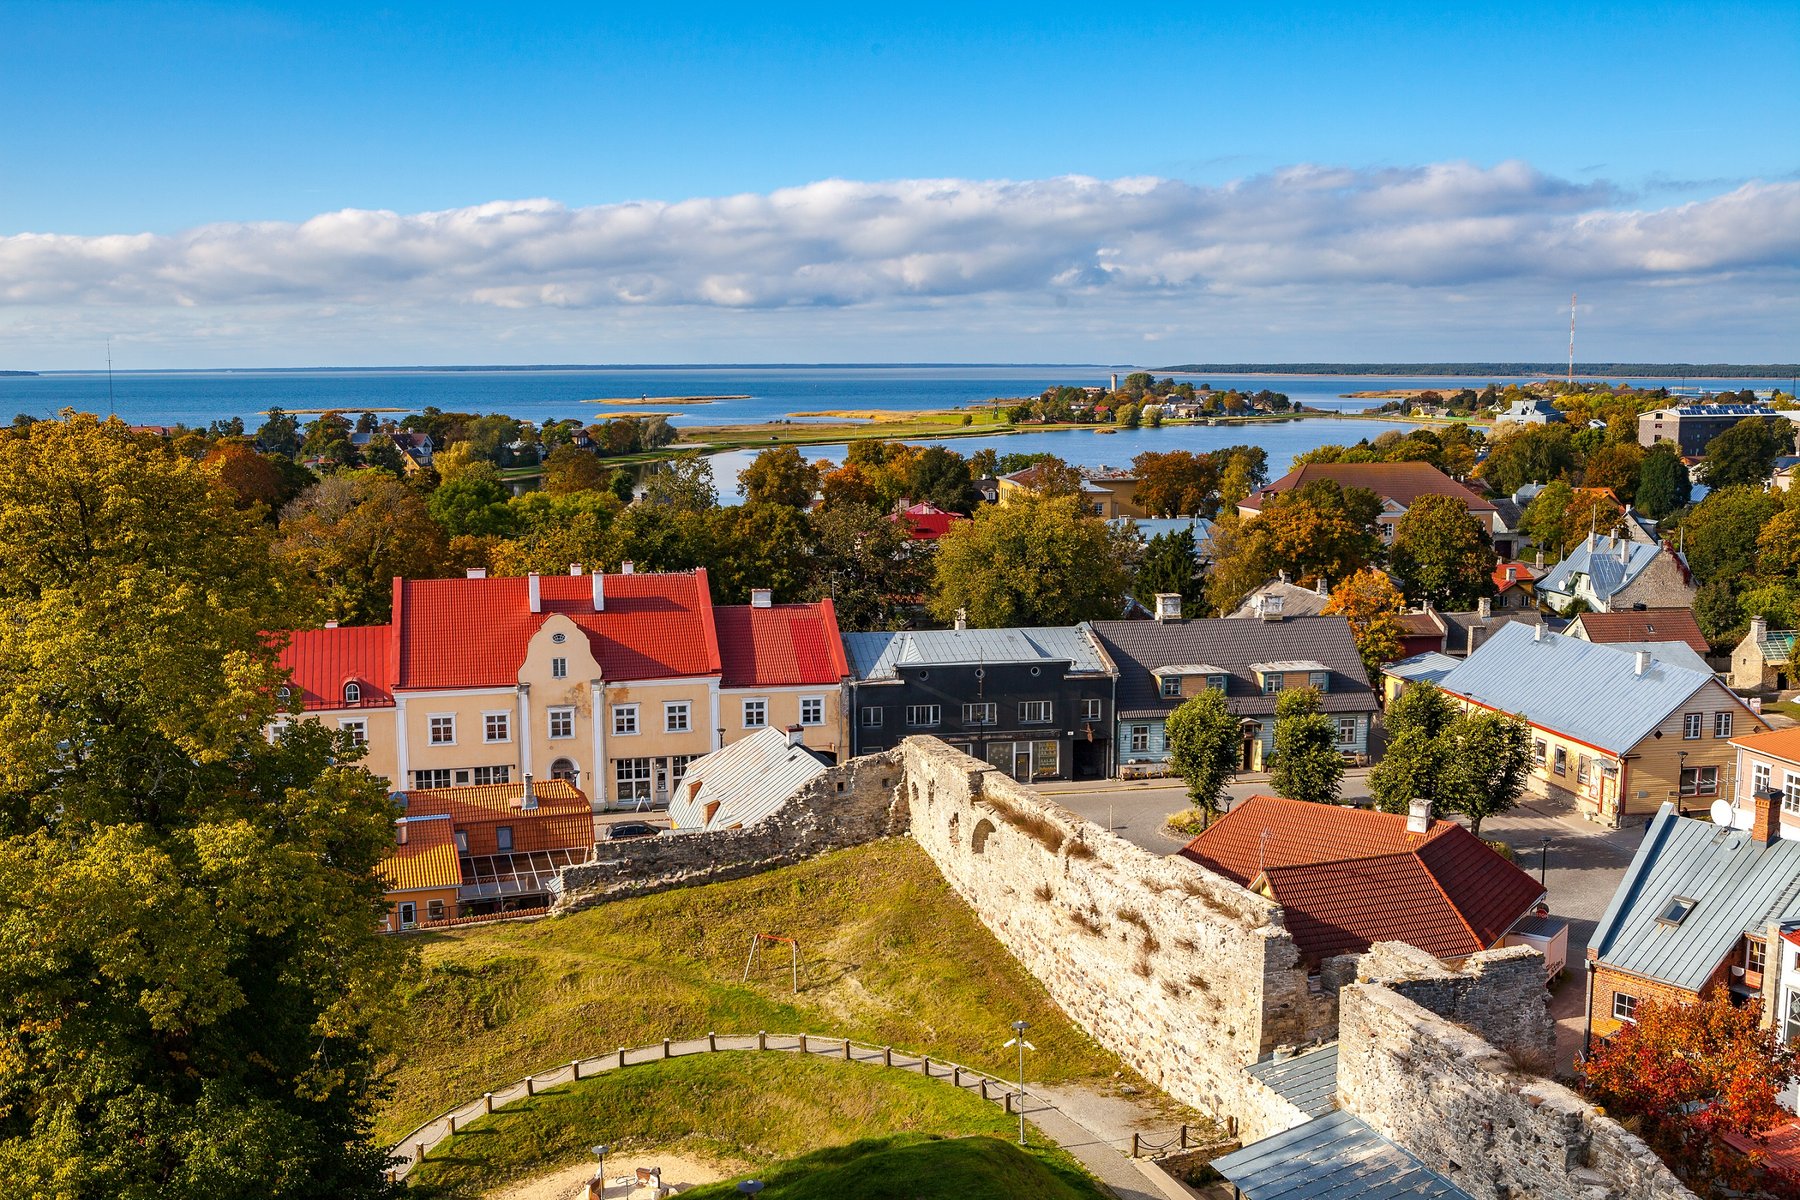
351	534
193	981
1307	763
866	565
1034	560
568	469
1202	741
1442	554
1616	467
1370	601
1051	476
1546	519
1177	483
1319	529
1745	454
555	529
251	477
1528	454
779	475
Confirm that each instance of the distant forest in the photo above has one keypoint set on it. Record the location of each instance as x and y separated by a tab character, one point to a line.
1497	369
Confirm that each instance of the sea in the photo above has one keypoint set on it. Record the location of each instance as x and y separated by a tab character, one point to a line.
759	394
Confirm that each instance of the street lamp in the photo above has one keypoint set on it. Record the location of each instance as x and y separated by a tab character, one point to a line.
600	1170
749	1187
1543	859
1018	1039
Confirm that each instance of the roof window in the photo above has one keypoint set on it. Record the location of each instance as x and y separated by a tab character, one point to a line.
1676	910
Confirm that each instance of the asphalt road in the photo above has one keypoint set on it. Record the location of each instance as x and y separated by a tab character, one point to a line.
1135	810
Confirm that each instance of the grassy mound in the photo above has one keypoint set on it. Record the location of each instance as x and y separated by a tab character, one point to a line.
889	956
788	1114
918	1167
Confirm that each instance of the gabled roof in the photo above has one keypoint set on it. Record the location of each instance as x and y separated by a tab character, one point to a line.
1466	631
1348	878
1644	625
1738	886
1678	653
779	646
1138	648
1296	601
742	783
1421	623
1401	482
1592	694
322	661
875	656
1609	563
457	633
1777	743
492	801
427	859
1523	572
1429	667
926	522
1333	1157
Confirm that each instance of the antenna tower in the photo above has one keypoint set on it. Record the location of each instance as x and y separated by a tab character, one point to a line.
109	386
1571	378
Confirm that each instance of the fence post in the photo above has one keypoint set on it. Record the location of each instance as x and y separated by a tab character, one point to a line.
1184	1135
1231	1126
762	1039
925	1065
487	1103
887	1056
575	1069
846	1049
1134	1145
419	1153
666	1052
452	1124
803	1043
984	1094
531	1085
1009	1103
712	1040
621	1056
956	1076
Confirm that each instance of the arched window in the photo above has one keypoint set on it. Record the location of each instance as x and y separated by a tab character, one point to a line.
352	693
563	769
978	840
285	695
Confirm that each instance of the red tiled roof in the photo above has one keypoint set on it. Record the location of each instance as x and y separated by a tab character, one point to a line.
322	661
1401	482
781	645
1777	1148
927	522
1349	878
1646	625
1523	572
458	633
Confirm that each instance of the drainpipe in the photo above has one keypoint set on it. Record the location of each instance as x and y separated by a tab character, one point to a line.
1587	1027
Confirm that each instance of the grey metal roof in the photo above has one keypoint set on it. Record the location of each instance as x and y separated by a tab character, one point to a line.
1429	667
1591	693
1308	1081
1149	527
1738	884
880	655
748	780
1468	630
1599	558
1336	1156
1679	653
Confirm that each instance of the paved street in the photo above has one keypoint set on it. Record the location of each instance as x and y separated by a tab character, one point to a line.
1135	809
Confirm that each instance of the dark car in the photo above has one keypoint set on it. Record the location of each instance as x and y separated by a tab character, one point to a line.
631	829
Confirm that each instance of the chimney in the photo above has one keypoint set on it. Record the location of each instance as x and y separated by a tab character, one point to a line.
1168	606
1272	606
1624	551
1537	632
476	572
599	584
761	598
574	568
1324	589
1484	608
627	567
796	735
1643	662
1540	558
528	796
537	600
1282	575
400	832
331	624
1418	816
1765	823
962	619
1759	628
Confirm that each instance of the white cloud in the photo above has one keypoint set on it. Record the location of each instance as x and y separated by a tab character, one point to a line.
1101	253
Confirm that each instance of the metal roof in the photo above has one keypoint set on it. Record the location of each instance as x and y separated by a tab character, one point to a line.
1282	666
1335	1156
747	780
1679	654
881	655
1738	886
1307	1081
1188	669
1598	557
1429	667
1591	693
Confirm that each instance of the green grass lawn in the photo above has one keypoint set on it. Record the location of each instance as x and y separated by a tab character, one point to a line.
1787	708
808	1127
890	956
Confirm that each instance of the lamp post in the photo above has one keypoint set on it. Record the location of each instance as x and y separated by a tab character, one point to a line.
1018	1039
749	1187
1543	859
600	1170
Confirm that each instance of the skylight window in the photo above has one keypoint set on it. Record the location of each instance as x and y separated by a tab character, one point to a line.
1676	910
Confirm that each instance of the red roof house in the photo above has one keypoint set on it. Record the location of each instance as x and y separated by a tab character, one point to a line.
340	666
926	522
779	645
1347	878
1400	482
1642	625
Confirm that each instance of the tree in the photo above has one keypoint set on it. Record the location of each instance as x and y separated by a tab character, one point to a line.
1486	765
382	454
1528	454
1051	476
1546	519
758	546
684	483
1441	553
1170	564
1720	535
328	438
279	434
1035	560
779	475
352	534
941	477
251	477
1615	466
1178	483
474	504
1369	600
1745	454
1320	529
1720	616
1683	1074
1202	740
1307	763
193	982
1412	766
1663	484
1778	543
866	565
568	468
555	529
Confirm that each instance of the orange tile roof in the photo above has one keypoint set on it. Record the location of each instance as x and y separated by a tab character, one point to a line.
485	801
1646	625
1781	743
784	644
1349	878
427	859
1523	572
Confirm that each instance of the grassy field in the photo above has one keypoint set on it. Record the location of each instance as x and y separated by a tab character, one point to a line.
890	956
806	1127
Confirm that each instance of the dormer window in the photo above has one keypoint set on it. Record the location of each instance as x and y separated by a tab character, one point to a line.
1171	686
1217	682
1676	910
352	693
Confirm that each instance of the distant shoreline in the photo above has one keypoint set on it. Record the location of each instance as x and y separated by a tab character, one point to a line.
1497	370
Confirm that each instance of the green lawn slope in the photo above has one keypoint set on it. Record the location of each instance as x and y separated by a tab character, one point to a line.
919	1167
890	956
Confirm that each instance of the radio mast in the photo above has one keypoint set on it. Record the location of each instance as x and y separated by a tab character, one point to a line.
1571	378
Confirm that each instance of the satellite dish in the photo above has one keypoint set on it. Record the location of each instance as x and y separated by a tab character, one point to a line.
1730	816
1721	812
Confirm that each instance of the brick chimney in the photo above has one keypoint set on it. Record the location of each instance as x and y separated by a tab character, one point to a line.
1168	607
1418	816
1765	823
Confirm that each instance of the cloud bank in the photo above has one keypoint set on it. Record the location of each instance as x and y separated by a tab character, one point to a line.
1295	240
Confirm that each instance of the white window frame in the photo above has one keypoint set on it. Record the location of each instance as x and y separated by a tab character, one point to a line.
678	716
492	717
1691	724
1762	778
1348	729
357	728
1140	739
1037	712
1790	792
1722	724
487	776
812	710
559	667
628	774
924	716
1091	709
625	720
760	706
1628	1004
428	779
982	712
560	722
432	729
352	693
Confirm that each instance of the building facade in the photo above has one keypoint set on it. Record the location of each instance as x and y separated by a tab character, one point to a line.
1691	426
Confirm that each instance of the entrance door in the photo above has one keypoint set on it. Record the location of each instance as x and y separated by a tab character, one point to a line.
409	915
1090	759
662	783
1021	761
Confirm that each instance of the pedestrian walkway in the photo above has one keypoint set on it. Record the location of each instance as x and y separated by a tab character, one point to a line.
1105	1151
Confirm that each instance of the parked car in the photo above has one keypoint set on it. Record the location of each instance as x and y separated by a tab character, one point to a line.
631	829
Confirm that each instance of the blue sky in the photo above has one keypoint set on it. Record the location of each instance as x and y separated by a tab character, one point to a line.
168	119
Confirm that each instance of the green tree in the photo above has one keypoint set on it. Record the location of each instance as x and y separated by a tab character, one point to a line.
351	534
193	984
1441	553
1034	560
1528	454
1202	740
1664	483
1320	529
1486	765
1778	542
683	483
1745	454
382	454
278	434
555	529
1546	519
1307	763
568	468
1171	564
941	477
328	438
472	504
1720	616
758	545
1412	767
779	475
1720	534
866	565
